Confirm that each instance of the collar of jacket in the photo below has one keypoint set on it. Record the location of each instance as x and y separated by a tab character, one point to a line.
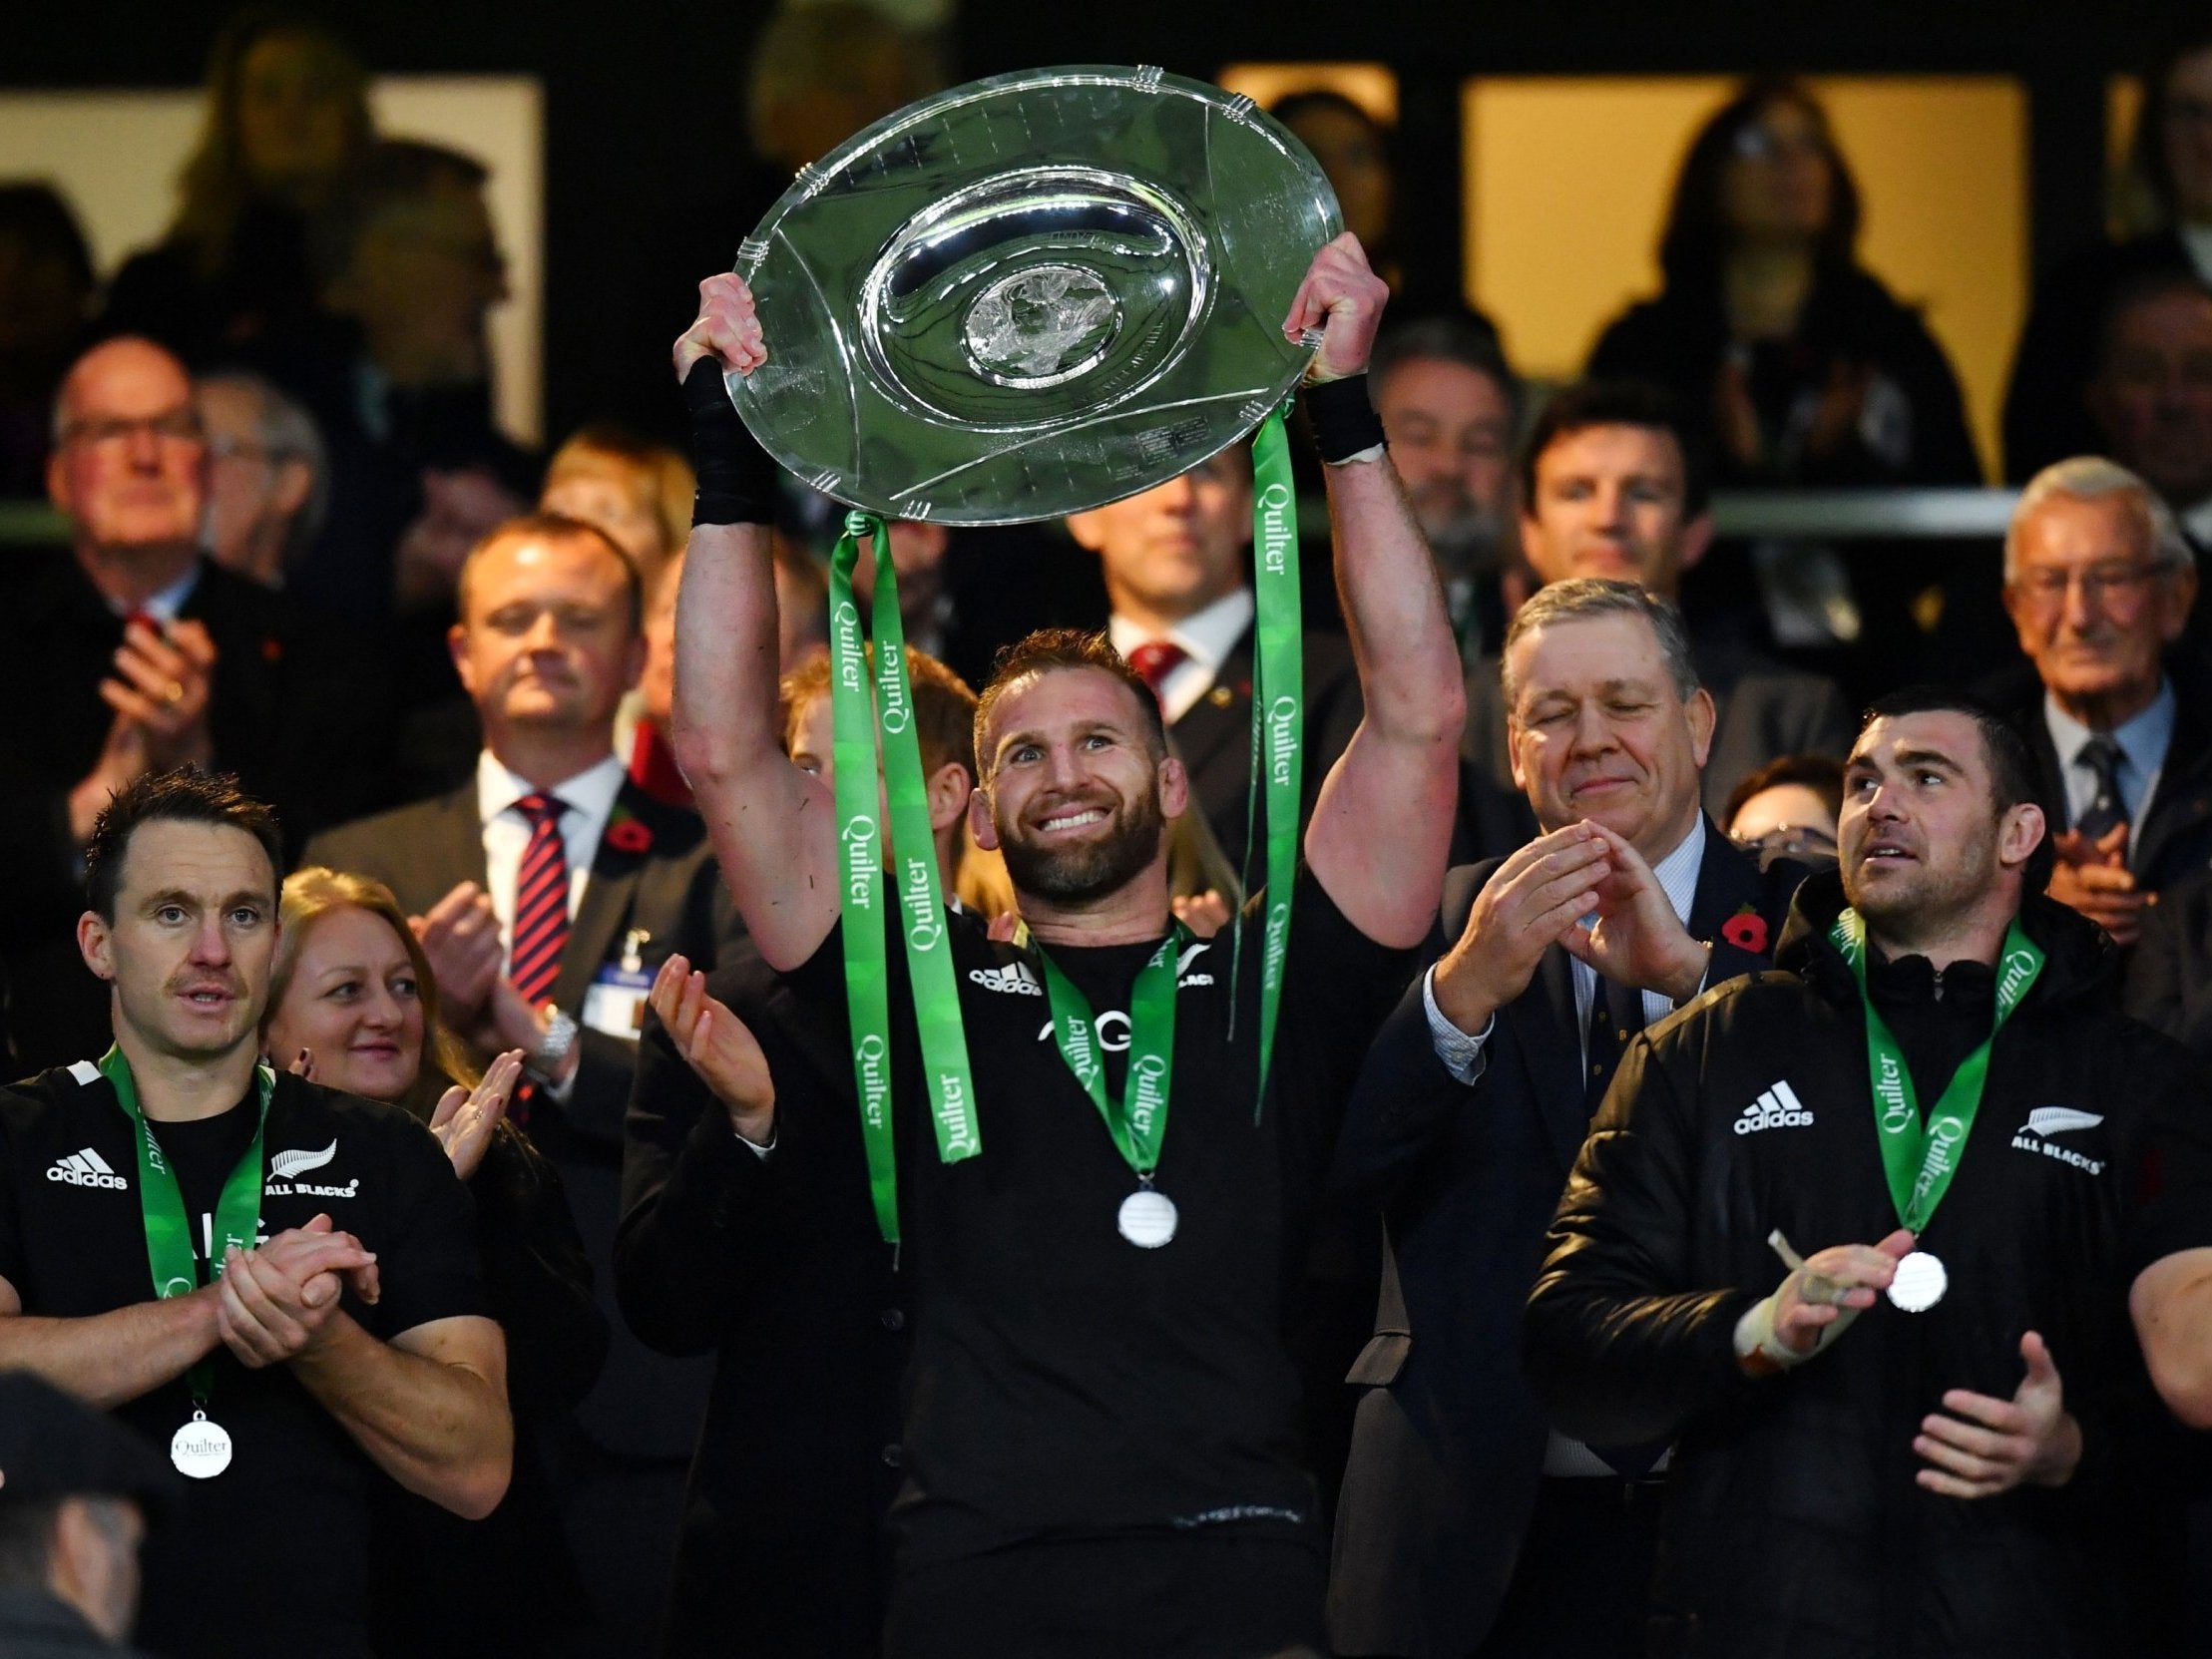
2082	963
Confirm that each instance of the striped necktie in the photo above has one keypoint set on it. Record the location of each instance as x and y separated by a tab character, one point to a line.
541	930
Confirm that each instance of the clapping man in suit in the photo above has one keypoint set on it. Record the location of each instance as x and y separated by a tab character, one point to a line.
1175	561
129	652
1466	1526
546	891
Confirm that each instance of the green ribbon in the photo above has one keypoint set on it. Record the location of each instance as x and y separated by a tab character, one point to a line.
856	720
1920	1158
1138	1121
1278	719
169	1250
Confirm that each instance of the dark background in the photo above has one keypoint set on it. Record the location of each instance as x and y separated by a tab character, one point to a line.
647	178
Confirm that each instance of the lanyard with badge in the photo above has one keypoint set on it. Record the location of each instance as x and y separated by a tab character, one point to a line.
861	721
1921	1158
201	1448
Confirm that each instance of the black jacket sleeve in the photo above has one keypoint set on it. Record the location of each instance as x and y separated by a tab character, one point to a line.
693	1197
1617	1343
1398	1107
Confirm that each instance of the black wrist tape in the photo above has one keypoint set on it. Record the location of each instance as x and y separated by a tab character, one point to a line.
1344	422
736	478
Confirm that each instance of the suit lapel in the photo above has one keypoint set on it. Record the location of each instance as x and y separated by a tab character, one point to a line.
458	845
1727	886
1549	1034
609	894
1214	723
2177	800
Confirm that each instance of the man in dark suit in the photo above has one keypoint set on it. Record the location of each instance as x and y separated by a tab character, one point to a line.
2100	585
1466	1526
1612	486
546	891
130	653
1175	559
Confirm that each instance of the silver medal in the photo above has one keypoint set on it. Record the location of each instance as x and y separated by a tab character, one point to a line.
200	1448
1147	1218
1920	1282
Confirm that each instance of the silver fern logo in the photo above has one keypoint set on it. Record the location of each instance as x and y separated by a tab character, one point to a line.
2057	1120
286	1166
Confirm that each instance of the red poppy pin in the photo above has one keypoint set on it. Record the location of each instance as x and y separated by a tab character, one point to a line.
1747	929
627	835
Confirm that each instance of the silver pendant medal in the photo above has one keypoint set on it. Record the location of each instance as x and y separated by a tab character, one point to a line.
1147	1218
200	1448
1920	1282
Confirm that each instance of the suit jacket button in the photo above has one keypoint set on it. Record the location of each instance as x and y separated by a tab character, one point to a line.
891	1456
893	1319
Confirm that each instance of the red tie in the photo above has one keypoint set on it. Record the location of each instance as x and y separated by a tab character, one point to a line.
653	767
541	930
1155	660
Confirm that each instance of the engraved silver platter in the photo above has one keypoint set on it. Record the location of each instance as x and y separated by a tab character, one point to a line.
1032	294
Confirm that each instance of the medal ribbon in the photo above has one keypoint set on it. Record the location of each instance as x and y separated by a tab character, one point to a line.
1918	1159
169	1250
1138	1121
857	718
1278	719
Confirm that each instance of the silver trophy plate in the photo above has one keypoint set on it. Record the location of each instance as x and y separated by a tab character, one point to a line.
1032	294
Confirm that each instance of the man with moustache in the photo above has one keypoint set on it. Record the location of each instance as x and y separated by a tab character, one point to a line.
274	1281
1467	1526
1614	486
1931	1432
1100	1449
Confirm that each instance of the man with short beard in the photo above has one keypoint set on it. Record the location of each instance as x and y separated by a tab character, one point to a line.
1101	1453
1931	1432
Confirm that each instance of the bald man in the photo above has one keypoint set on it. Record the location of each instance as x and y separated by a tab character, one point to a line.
129	652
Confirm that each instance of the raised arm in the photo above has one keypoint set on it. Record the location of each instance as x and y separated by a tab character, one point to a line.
773	826
1381	828
110	1358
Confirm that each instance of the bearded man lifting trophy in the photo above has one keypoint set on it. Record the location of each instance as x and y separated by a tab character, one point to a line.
1030	297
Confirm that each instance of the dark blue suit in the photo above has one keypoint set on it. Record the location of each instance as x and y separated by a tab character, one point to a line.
1449	1443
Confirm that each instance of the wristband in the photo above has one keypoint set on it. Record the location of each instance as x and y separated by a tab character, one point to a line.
736	478
1345	425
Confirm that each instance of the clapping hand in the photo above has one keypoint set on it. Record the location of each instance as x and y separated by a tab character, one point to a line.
275	1301
465	1118
716	1045
1989	1446
1638	939
1528	904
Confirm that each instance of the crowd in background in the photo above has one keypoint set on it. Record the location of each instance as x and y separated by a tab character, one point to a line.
301	550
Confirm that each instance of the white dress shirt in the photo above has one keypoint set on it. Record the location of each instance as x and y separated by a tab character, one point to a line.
588	801
1207	638
2143	739
1462	1052
164	605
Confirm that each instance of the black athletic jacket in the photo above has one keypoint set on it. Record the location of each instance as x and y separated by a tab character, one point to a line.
1794	1525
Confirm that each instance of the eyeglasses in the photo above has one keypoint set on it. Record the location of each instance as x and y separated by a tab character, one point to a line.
176	426
1798	841
2114	584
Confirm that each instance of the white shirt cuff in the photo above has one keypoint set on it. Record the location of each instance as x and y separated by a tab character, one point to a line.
753	1146
1458	1052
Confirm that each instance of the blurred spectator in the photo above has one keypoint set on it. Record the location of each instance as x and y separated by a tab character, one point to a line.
643	725
2100	584
2046	413
821	73
1612	485
1787	353
285	133
1451	408
546	890
399	377
1353	150
637	491
1788	808
353	996
268	477
1796	366
131	654
2152	393
802	603
45	289
76	1490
